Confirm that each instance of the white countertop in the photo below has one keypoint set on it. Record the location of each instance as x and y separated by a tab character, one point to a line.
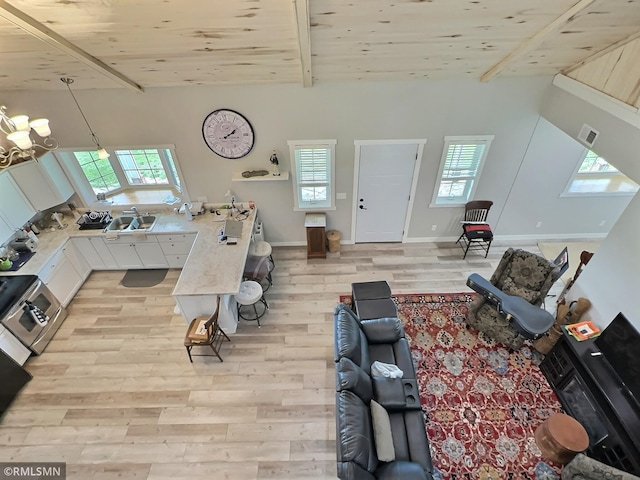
211	268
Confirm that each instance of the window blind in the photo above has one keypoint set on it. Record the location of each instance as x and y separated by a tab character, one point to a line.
312	166
463	160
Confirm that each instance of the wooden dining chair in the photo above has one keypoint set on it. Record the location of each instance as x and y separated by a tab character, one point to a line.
204	331
476	232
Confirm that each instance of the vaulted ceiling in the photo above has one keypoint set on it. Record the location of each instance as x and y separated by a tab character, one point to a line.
164	43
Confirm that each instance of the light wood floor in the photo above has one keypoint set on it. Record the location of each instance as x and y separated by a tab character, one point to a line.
114	394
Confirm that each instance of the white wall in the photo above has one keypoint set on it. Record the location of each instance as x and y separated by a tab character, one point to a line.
548	164
507	108
610	280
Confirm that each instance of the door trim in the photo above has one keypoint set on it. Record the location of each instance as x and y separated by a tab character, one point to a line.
421	142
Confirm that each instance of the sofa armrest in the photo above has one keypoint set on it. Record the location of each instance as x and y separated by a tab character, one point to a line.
585	468
351	471
403	470
382	330
396	393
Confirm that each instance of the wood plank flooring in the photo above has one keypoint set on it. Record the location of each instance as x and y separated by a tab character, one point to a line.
114	394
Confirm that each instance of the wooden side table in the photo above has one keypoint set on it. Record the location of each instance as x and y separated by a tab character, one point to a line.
560	438
316	237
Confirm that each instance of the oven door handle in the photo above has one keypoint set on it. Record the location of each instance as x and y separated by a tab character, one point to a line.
19	305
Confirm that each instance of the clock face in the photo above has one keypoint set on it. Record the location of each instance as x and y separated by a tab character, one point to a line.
227	133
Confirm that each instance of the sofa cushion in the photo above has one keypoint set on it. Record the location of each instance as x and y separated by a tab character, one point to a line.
397	353
382	432
402	470
350	341
382	330
350	376
354	434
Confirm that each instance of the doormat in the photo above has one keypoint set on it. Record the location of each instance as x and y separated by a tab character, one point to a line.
143	278
481	403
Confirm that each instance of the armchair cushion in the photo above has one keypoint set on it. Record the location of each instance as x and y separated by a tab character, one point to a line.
585	468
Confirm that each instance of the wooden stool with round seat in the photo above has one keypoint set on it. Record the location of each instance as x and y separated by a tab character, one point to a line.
250	295
560	438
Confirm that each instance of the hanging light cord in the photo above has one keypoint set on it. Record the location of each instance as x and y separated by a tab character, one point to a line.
68	81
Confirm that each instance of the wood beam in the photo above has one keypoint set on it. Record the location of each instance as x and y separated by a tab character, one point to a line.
533	42
304	40
48	36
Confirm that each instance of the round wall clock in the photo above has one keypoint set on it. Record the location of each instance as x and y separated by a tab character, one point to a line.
228	133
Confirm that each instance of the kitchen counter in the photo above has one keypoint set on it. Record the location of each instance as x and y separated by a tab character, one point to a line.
211	268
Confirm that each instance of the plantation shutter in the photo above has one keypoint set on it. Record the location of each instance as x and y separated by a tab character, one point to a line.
312	165
463	160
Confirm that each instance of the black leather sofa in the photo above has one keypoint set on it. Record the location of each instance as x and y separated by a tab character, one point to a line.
357	345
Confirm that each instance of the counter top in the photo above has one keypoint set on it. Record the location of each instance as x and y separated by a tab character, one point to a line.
211	268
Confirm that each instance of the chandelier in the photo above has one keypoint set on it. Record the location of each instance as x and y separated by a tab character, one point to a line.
102	153
18	131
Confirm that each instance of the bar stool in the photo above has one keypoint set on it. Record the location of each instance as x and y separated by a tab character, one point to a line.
262	249
256	268
249	295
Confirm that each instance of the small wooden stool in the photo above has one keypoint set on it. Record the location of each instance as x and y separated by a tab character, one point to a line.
560	438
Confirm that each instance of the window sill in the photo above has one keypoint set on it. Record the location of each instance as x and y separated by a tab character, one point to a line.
237	177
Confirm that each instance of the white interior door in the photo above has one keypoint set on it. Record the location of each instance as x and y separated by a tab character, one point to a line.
384	184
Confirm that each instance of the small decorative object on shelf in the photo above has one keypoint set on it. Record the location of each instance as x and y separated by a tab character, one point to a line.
254	173
274	161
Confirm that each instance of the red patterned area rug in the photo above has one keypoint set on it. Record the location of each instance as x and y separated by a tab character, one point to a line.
481	404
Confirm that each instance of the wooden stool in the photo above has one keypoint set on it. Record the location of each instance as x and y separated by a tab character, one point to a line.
560	438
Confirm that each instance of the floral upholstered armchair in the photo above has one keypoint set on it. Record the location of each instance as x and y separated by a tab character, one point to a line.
520	273
585	468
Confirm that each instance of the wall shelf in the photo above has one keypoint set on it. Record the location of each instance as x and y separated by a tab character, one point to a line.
237	177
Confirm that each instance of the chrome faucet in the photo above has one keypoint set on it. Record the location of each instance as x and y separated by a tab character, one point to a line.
133	211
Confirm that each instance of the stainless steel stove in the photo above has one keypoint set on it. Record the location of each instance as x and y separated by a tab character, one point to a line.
29	310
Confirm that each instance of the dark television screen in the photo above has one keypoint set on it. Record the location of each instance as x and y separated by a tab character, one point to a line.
620	343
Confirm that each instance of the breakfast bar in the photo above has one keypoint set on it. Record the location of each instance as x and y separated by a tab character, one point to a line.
214	269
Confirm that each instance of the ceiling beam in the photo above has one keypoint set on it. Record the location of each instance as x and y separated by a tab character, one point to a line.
603	52
304	40
48	36
533	42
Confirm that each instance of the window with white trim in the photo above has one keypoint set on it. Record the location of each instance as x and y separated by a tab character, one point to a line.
313	174
595	176
152	170
460	167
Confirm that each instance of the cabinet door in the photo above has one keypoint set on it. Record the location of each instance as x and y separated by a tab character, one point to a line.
103	252
15	208
76	259
61	277
88	252
57	177
5	230
32	181
151	255
125	255
316	242
13	347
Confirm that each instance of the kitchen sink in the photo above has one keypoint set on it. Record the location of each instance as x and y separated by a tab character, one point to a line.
130	223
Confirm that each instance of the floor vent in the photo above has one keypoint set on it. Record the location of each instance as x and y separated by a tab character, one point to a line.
588	135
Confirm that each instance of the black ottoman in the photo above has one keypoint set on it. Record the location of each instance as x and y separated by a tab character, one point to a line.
376	308
370	290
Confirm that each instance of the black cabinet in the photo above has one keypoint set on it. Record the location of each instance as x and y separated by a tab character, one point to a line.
589	392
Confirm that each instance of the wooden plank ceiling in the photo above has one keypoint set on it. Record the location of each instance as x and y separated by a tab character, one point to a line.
154	43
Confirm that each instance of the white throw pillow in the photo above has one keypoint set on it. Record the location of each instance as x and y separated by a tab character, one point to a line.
382	432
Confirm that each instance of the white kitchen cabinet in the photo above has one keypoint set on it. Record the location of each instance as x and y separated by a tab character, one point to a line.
13	347
77	259
14	206
5	230
176	248
38	186
61	277
95	252
132	252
